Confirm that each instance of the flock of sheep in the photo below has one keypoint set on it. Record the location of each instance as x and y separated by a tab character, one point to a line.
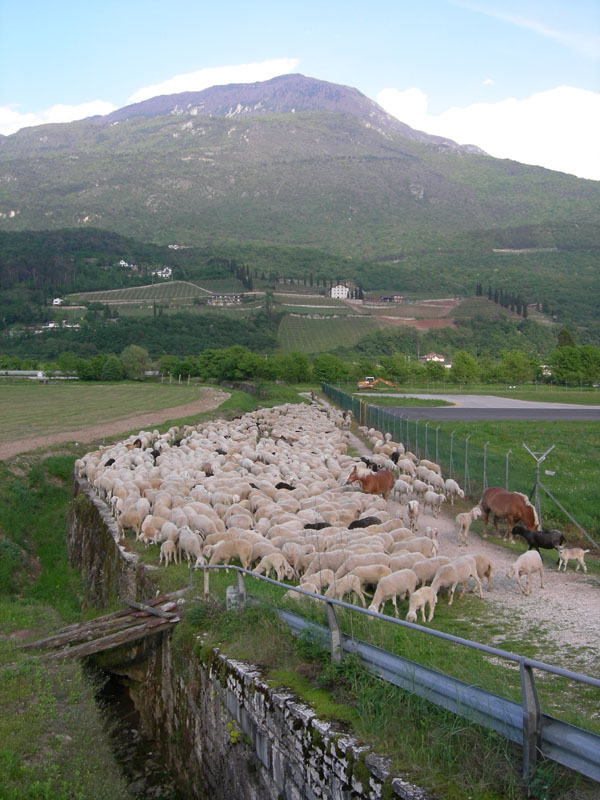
270	489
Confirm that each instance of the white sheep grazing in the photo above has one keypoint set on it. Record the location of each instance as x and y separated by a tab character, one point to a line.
567	553
168	553
434	500
457	571
431	465
413	510
291	594
418	600
453	490
398	584
349	584
276	562
189	545
227	549
402	489
370	575
436	481
406	560
464	521
323	578
420	487
526	564
426	568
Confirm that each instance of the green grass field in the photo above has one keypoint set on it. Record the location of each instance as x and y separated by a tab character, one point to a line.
320	335
159	292
28	410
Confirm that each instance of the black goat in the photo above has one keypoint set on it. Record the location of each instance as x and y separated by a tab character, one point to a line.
365	522
317	526
536	539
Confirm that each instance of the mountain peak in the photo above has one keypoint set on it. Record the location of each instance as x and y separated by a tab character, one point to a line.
285	94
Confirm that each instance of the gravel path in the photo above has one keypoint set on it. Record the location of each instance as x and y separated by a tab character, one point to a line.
563	617
211	398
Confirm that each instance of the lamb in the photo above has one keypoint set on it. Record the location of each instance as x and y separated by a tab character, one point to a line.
526	564
434	500
349	584
322	578
457	571
168	552
397	584
413	509
276	562
291	594
567	553
464	522
418	600
484	569
536	539
453	490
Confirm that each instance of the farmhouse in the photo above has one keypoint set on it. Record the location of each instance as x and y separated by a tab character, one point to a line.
434	357
165	272
340	291
57	301
391	298
224	299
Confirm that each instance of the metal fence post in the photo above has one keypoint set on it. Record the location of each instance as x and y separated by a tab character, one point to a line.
451	467
417	438
508	452
531	721
467	480
335	634
485	483
437	441
426	443
241	589
206	587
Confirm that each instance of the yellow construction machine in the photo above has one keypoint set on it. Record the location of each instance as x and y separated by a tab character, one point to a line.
370	382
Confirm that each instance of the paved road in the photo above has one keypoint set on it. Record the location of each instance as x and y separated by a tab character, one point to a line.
490	408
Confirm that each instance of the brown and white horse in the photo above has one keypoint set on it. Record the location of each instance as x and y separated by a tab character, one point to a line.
381	482
511	506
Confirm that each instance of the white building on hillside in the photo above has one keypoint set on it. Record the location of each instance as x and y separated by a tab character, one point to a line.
340	292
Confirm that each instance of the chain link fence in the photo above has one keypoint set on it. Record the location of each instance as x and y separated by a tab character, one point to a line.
472	466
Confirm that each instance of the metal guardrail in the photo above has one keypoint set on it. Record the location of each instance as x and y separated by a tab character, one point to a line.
523	723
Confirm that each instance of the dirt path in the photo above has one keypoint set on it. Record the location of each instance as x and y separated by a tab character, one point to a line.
211	398
563	617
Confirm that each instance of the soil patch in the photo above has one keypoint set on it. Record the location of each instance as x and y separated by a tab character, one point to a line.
211	398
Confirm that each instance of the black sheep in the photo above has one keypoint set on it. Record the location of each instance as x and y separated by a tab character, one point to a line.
365	522
317	526
283	485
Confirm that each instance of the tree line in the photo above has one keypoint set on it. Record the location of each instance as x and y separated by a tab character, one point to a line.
568	363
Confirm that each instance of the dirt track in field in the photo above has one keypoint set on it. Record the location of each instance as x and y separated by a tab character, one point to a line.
211	398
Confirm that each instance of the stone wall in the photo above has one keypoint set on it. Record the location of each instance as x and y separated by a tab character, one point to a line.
223	732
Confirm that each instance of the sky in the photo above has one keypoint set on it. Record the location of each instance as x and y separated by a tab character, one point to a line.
518	78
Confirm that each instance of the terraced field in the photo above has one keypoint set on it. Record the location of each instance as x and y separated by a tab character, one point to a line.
307	335
181	292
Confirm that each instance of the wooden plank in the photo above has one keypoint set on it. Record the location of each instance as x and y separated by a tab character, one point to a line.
157	612
85	631
112	641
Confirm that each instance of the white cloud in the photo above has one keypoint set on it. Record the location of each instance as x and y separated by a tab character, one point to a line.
12	120
215	76
488	82
558	129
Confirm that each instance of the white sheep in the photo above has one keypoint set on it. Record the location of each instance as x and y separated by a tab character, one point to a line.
189	545
464	522
527	564
227	549
484	569
370	575
434	500
422	544
426	568
413	510
168	553
276	562
457	571
567	553
397	584
418	600
349	584
402	489
453	490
